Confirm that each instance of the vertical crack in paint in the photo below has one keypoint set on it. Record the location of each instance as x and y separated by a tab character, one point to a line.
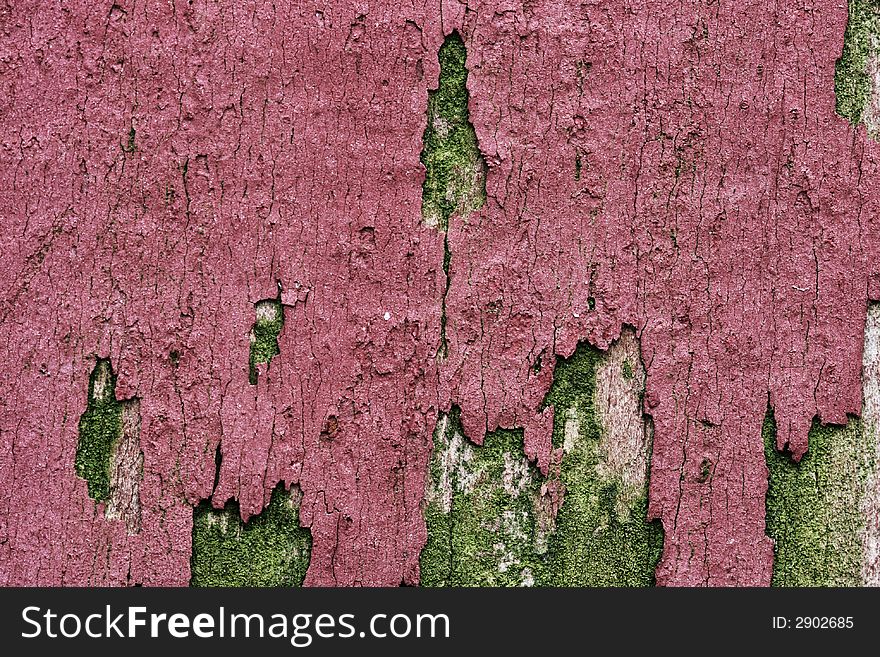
264	334
494	520
270	549
455	171
821	511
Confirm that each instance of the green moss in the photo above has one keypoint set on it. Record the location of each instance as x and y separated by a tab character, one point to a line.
705	471
264	334
813	513
596	542
484	537
447	261
271	549
100	427
489	524
455	172
852	83
130	147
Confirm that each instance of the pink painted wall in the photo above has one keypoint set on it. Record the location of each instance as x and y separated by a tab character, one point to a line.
723	209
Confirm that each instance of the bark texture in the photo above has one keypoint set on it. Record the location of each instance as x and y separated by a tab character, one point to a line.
186	182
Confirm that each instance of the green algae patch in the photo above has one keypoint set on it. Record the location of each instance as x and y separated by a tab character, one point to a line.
494	520
852	80
455	172
271	549
481	511
264	334
100	428
602	536
813	507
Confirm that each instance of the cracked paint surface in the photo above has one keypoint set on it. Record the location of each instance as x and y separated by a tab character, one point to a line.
678	169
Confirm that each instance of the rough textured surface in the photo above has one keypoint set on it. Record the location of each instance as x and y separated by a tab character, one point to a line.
822	512
127	470
870	504
602	537
455	172
814	511
264	334
164	166
100	428
625	439
494	520
271	549
856	73
483	509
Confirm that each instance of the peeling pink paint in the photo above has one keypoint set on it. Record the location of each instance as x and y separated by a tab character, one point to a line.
723	209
